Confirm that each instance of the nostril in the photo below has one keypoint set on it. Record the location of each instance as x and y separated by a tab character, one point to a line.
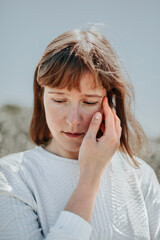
72	120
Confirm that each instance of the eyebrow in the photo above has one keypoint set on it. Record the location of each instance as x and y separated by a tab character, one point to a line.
86	95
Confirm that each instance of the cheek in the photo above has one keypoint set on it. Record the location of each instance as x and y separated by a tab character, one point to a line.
89	114
53	117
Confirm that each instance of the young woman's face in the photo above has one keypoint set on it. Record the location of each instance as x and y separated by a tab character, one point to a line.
68	115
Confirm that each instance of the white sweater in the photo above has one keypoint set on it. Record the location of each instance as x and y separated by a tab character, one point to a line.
36	185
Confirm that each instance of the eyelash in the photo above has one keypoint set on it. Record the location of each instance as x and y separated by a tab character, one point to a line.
88	103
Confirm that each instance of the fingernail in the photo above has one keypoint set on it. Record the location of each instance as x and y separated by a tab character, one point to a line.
105	99
97	115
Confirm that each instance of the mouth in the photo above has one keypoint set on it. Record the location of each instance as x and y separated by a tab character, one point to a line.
73	135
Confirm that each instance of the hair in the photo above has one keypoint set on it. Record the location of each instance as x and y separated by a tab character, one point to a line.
63	63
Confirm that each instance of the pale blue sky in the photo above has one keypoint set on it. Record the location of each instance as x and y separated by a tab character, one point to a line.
131	26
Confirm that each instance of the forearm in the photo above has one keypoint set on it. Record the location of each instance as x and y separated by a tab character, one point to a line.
83	198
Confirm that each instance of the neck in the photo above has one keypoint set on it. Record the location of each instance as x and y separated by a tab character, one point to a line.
53	148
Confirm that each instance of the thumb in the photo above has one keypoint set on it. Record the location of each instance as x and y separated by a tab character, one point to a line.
94	126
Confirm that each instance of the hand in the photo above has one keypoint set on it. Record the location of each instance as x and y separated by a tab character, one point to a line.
95	154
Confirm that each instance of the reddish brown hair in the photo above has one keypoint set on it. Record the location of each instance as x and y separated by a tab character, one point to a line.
64	62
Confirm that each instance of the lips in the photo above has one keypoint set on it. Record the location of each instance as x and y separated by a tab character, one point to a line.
73	134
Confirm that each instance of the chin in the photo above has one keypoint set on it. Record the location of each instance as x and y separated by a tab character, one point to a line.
72	148
71	152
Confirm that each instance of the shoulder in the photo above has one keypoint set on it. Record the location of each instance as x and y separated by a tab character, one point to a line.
15	176
11	162
141	176
126	163
14	161
12	168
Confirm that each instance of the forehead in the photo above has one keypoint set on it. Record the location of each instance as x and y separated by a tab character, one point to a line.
87	85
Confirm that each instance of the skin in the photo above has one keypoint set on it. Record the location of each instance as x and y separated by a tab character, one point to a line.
93	154
73	114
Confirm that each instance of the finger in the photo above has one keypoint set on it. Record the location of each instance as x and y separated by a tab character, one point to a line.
94	126
118	127
109	119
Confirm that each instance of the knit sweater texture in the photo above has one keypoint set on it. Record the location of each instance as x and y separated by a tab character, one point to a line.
36	185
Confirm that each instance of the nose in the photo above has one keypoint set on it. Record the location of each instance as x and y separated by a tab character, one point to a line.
73	116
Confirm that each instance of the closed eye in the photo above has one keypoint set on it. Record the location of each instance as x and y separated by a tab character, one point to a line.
58	101
90	103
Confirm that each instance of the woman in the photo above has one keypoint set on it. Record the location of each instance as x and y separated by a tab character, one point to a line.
84	180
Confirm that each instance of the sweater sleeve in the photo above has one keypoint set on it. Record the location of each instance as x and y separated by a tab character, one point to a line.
152	200
19	218
71	225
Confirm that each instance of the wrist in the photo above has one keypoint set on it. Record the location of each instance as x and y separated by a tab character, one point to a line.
89	180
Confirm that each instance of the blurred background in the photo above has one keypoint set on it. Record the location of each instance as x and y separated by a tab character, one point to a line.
27	27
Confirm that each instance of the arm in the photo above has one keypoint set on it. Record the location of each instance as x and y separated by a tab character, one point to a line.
152	200
93	158
19	221
83	198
